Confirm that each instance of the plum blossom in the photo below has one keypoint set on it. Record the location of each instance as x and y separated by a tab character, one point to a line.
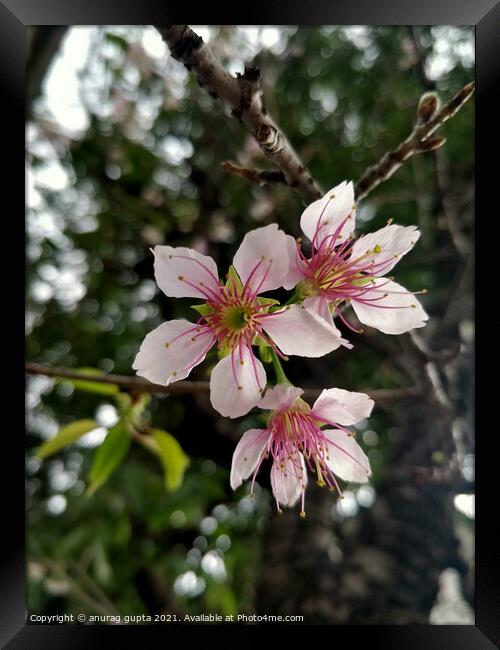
233	317
344	270
294	439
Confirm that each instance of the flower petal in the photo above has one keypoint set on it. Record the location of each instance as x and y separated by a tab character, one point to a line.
342	406
296	267
320	306
170	351
298	330
184	273
263	258
280	397
346	458
391	308
325	216
247	455
394	241
289	481
237	383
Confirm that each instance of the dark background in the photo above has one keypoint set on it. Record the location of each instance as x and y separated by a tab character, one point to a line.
136	162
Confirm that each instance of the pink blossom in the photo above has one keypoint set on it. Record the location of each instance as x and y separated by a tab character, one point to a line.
233	317
344	270
294	438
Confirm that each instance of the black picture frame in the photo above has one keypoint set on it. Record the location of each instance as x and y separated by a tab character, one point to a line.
15	16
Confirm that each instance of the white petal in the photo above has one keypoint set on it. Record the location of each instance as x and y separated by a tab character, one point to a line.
325	215
296	266
298	330
347	460
237	382
263	258
290	481
391	309
184	273
247	455
394	241
280	397
320	306
342	406
170	351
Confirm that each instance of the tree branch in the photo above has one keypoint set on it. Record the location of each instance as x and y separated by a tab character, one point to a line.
243	94
429	119
382	397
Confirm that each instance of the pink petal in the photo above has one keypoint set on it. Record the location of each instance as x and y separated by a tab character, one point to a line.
325	215
170	351
346	458
280	398
394	241
247	455
184	273
299	331
390	308
342	406
290	481
263	258
237	383
296	266
320	306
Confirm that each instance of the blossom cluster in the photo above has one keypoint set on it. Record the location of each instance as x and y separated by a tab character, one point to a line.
341	270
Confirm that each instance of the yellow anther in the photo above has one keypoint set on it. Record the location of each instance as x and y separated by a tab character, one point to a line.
302	514
180	277
167	345
413	306
242	362
240	387
174	374
389	221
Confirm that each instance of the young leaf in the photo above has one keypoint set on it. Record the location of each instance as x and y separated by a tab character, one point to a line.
202	309
65	437
109	456
91	386
172	457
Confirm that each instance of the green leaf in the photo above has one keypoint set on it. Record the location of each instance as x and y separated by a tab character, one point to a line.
232	273
109	456
65	437
202	309
268	301
172	457
117	40
91	386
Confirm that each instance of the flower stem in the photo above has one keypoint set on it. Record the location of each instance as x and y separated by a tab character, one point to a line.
281	378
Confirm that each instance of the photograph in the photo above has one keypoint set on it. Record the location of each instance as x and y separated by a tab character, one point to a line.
250	325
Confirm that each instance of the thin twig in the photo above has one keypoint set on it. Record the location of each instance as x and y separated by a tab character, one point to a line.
243	94
382	397
264	177
418	141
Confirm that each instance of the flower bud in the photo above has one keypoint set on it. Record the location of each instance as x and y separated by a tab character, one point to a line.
432	143
427	107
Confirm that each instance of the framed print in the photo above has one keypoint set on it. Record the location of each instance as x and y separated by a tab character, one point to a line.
250	312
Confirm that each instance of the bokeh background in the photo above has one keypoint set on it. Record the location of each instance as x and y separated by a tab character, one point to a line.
123	153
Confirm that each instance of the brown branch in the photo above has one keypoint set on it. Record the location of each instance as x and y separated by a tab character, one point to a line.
243	94
264	177
382	397
429	119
